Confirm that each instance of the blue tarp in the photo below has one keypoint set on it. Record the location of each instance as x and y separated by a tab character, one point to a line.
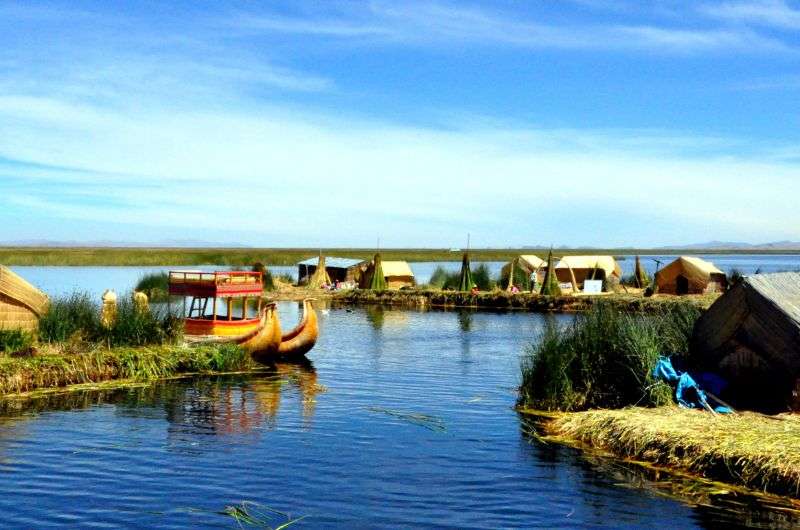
687	392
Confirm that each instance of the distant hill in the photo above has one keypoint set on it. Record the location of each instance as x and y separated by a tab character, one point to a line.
737	245
167	243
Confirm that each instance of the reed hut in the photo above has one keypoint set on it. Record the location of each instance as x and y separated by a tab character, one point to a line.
577	269
342	269
320	276
750	337
550	286
465	282
21	304
395	275
527	263
398	274
690	275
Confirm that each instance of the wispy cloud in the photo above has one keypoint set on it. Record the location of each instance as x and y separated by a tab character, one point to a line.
445	23
775	13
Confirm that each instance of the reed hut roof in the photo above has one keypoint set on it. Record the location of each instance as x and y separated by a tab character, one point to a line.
697	271
605	263
396	268
526	262
14	287
751	334
332	262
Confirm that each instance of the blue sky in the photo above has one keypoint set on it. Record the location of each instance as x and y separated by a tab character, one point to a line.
302	123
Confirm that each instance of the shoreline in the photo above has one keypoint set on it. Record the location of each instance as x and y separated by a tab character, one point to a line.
758	453
493	300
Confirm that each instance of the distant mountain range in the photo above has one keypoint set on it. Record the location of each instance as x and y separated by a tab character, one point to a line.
196	243
167	243
737	245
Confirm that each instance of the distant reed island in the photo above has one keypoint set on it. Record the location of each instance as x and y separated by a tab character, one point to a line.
154	256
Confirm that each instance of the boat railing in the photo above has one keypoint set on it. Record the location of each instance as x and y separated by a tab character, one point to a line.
215	278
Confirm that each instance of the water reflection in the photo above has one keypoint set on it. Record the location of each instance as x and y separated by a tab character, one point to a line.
217	407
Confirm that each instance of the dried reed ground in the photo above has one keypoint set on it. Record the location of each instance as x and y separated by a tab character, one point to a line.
757	451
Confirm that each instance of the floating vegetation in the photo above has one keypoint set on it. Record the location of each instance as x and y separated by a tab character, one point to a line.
749	449
604	359
253	514
432	423
52	369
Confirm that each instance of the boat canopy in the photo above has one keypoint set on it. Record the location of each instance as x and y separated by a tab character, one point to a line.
219	284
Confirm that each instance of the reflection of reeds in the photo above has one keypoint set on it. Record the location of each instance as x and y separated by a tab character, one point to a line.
432	423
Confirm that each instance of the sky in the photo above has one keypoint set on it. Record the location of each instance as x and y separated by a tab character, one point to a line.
325	123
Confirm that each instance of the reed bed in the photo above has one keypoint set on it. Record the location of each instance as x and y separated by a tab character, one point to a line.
289	256
604	358
753	450
55	368
76	318
155	285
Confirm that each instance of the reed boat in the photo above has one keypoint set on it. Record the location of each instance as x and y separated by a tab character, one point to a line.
226	307
302	338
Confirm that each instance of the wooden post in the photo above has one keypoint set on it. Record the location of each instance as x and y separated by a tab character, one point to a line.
230	308
244	308
214	309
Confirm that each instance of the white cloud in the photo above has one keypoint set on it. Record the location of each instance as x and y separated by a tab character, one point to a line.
304	177
422	23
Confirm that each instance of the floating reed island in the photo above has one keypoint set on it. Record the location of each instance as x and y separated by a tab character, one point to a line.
597	383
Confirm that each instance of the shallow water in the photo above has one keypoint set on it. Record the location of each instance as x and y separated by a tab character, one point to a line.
402	419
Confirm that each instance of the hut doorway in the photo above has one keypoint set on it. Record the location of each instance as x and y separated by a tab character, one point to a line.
681	284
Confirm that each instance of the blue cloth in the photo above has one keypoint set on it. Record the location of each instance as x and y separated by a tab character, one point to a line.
687	392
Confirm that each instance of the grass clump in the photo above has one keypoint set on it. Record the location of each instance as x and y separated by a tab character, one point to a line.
604	358
66	316
155	285
450	280
53	368
77	318
15	340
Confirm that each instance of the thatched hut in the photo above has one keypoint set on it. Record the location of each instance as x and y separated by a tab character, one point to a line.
751	337
527	263
690	275
21	304
578	269
398	274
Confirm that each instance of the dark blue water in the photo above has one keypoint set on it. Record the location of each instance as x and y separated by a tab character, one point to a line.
401	419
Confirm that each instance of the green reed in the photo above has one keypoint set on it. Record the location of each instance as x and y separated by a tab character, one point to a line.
604	358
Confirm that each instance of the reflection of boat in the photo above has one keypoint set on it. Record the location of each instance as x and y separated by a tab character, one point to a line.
301	339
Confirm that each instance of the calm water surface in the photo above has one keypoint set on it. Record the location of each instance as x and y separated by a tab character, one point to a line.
401	419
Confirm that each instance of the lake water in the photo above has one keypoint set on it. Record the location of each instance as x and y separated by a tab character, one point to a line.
58	281
401	419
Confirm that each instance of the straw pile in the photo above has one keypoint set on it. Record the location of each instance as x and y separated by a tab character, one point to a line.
757	451
21	304
320	276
